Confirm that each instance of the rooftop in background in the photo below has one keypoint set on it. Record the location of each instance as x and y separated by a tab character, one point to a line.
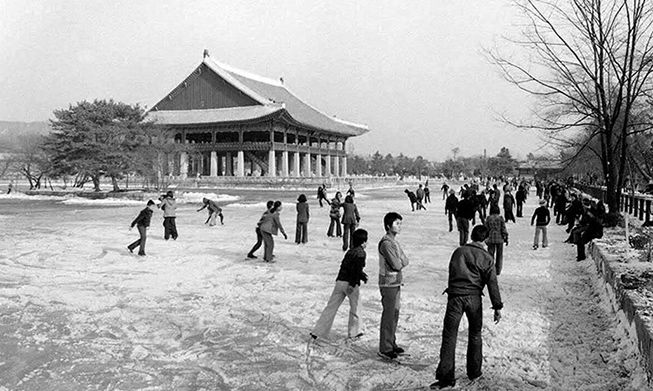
251	97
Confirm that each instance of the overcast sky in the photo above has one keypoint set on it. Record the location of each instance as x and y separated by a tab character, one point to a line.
412	71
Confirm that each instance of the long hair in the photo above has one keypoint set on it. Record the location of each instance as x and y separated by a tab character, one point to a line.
276	206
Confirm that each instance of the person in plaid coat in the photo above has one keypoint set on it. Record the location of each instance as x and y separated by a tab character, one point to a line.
498	235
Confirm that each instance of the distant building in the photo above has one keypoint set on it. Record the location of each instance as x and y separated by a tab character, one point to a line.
243	124
539	168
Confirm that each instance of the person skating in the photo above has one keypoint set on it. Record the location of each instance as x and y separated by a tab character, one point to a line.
451	208
419	193
508	204
334	216
271	225
497	236
541	218
169	207
303	215
214	210
465	214
322	195
347	285
142	222
471	269
350	219
259	237
445	190
520	197
427	193
392	261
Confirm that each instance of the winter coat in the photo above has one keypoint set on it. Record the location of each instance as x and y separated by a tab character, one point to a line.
350	213
302	212
391	261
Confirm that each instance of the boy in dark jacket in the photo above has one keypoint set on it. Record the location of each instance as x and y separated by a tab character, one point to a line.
142	222
541	218
347	285
471	269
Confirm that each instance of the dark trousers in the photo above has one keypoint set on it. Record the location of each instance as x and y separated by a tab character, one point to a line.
472	307
390	300
268	246
347	237
301	232
463	229
496	250
427	198
142	231
335	222
259	241
452	216
520	209
170	228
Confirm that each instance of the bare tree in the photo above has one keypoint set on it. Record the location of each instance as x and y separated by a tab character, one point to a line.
589	63
31	160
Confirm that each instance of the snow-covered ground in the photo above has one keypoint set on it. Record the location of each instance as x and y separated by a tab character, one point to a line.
79	312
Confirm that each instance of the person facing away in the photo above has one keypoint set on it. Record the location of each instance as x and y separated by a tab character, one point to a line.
301	232
350	220
142	223
541	218
590	226
466	213
520	197
427	193
471	268
392	261
451	208
259	237
271	225
497	236
334	216
169	207
214	210
508	203
347	285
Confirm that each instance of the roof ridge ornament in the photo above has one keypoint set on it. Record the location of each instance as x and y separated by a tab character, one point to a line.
206	53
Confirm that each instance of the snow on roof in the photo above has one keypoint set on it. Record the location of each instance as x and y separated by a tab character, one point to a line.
207	116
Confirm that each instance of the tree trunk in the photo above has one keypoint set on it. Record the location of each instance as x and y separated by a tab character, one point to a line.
114	182
96	183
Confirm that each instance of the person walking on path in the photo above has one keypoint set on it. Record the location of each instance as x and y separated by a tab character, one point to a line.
465	214
508	204
334	215
347	285
392	261
471	268
520	197
541	218
271	225
322	195
169	207
142	222
214	211
301	232
259	237
451	208
497	236
350	220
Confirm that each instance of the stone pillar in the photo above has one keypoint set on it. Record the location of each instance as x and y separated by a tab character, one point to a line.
214	164
344	166
318	165
284	164
272	163
336	166
229	162
241	163
296	164
307	165
328	166
183	165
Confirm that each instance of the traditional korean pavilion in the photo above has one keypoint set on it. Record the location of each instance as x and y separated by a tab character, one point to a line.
241	124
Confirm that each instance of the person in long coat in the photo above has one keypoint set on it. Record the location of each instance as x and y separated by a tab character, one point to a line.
301	232
334	215
350	219
508	204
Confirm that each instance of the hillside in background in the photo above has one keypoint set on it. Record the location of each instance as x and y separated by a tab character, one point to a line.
10	132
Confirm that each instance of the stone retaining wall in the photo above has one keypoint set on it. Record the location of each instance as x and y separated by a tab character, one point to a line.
639	325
